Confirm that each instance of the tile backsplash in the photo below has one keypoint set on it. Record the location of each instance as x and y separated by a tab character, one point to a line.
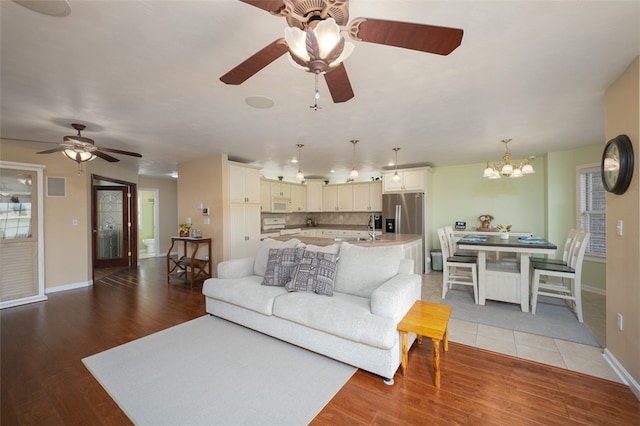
337	218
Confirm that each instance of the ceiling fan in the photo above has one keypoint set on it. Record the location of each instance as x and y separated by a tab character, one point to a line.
306	14
80	149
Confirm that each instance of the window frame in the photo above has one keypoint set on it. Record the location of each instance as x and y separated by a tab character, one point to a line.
580	171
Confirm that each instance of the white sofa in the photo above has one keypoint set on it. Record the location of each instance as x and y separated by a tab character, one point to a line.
373	289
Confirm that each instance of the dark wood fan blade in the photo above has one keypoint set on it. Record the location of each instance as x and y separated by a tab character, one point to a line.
273	6
52	150
424	38
339	84
118	151
105	156
255	63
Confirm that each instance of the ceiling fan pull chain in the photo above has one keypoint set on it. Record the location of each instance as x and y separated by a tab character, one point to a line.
316	96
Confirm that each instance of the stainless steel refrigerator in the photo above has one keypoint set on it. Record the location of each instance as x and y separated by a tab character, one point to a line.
404	214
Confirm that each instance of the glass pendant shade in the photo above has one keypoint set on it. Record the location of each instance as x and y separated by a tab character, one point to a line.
78	156
396	177
527	169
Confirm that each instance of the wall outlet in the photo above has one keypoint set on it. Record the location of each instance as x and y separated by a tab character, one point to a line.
620	322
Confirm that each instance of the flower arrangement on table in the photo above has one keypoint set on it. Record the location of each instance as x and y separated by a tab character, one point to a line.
184	229
503	227
485	222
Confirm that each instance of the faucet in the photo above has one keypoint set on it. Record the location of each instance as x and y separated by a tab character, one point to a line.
371	228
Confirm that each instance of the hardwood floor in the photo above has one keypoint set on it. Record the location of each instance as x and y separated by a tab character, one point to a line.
44	381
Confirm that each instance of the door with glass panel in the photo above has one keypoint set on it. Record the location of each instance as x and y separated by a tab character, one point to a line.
21	279
112	226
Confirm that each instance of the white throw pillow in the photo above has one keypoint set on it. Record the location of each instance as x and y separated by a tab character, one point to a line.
363	269
262	257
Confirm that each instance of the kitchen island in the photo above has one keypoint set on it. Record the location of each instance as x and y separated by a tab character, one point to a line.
410	243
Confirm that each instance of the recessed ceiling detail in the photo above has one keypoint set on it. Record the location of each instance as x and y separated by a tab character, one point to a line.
260	102
57	8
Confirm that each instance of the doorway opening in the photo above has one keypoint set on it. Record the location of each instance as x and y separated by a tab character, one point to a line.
148	222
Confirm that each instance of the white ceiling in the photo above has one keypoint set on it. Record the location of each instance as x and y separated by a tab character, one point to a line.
144	76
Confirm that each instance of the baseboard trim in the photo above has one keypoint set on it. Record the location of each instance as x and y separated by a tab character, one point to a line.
622	373
66	287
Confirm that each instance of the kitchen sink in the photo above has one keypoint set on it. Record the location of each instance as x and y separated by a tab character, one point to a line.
357	239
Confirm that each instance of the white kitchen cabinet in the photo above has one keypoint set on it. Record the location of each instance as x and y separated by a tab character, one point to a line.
244	210
367	196
337	198
307	232
411	180
265	196
244	230
281	189
314	195
244	184
298	198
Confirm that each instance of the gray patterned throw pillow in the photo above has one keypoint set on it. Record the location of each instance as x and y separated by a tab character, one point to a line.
281	265
315	272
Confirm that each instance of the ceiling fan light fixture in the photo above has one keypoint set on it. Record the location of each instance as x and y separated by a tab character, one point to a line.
78	155
319	49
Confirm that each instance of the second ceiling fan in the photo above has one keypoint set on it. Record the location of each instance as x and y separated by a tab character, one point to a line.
306	14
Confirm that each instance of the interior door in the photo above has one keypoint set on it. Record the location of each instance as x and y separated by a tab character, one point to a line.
112	226
21	248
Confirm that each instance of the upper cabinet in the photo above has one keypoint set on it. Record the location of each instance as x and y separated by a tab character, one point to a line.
244	184
281	189
298	198
367	196
314	195
411	180
337	198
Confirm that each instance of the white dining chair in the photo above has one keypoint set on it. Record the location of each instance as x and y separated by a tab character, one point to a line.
460	270
453	250
566	251
561	281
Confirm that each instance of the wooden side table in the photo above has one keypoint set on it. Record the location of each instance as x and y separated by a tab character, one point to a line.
429	320
199	264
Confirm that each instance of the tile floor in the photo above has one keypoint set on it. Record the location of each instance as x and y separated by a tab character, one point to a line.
560	353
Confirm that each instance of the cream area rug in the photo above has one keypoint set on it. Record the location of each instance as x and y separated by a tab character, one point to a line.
209	371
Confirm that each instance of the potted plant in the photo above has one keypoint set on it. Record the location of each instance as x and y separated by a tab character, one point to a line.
504	230
184	229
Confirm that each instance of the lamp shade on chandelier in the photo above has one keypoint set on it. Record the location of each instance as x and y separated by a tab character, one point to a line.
320	48
78	155
507	167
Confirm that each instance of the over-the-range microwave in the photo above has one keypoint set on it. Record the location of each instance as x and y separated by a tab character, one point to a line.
280	205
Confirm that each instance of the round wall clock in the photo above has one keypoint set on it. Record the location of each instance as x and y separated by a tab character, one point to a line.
617	164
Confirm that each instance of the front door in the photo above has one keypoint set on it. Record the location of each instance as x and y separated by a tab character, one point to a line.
112	227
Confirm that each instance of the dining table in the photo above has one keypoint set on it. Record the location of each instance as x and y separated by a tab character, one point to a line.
504	278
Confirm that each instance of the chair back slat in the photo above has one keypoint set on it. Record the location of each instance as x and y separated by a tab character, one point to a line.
568	245
444	243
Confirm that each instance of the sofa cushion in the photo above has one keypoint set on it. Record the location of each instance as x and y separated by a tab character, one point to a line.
246	292
316	271
342	315
331	248
281	265
262	256
363	269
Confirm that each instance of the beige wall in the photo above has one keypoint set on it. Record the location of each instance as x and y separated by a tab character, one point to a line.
204	181
67	248
623	252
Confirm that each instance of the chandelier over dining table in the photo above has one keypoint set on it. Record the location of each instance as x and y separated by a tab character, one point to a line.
507	167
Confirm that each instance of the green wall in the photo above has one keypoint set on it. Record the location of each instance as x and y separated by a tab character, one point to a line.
543	203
